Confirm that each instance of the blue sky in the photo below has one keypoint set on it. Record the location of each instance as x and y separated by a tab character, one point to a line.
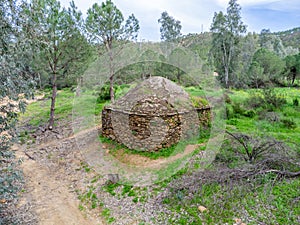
276	15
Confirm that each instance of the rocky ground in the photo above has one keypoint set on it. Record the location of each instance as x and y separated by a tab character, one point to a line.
56	174
51	164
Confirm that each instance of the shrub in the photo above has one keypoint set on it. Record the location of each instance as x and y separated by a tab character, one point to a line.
104	94
295	102
289	123
274	99
267	99
250	113
253	148
255	101
272	117
227	99
237	109
229	111
199	102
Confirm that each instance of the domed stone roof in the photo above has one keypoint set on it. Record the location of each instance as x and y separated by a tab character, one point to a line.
156	95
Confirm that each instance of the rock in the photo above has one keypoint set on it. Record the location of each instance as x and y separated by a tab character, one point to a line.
113	178
237	220
202	209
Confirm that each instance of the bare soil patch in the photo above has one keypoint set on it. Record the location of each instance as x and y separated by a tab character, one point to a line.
52	168
53	201
146	162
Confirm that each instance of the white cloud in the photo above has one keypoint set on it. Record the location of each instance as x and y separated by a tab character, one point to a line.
192	13
224	3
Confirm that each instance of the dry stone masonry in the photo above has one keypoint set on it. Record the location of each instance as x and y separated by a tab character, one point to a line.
155	114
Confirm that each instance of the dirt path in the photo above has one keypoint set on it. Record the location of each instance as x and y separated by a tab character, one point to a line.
54	203
53	171
145	162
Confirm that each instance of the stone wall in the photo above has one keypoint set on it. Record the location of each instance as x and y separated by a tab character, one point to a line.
150	131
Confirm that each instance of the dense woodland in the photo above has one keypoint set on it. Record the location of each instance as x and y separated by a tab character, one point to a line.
44	46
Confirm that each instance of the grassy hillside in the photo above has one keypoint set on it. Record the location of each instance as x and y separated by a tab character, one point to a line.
290	37
233	188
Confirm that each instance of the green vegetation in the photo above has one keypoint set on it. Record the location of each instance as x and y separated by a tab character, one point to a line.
255	176
115	147
37	113
273	113
106	26
258	201
261	115
170	29
264	198
15	84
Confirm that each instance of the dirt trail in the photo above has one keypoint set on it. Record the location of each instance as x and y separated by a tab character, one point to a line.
143	161
50	168
54	203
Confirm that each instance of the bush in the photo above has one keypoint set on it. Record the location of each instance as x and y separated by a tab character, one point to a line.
289	123
229	111
295	102
266	99
253	148
104	95
272	117
250	113
199	102
237	109
274	99
255	101
227	98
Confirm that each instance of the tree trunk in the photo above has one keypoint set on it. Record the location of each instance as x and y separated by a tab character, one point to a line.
40	81
178	76
226	77
111	76
111	89
53	99
294	72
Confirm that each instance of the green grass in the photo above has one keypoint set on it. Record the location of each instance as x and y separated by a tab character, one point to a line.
162	153
263	200
260	201
254	203
198	92
115	147
37	113
106	214
262	127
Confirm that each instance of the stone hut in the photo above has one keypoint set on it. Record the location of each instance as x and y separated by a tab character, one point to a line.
155	114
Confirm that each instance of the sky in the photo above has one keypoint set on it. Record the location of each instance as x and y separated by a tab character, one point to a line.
196	15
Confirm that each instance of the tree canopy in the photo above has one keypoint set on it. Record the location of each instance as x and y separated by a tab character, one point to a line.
16	82
227	30
170	28
105	25
61	46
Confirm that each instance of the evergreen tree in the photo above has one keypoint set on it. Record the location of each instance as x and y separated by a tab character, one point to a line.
170	29
105	25
227	30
